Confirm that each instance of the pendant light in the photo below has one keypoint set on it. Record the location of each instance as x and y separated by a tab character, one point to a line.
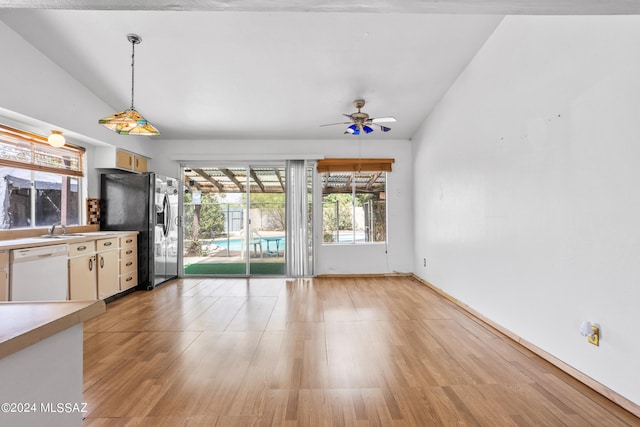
130	122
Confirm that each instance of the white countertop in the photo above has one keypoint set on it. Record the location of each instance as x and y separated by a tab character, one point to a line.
27	242
23	324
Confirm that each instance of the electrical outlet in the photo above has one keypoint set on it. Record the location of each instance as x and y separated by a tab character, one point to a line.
424	262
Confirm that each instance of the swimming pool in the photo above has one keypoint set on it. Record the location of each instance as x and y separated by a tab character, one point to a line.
236	244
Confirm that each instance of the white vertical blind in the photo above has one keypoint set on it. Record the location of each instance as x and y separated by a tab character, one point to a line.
298	264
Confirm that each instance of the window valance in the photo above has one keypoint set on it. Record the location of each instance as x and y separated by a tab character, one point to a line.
20	149
354	165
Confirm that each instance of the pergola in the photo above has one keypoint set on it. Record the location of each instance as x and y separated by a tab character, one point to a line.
337	176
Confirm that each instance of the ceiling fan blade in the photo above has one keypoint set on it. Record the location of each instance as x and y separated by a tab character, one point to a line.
382	128
383	120
333	124
367	129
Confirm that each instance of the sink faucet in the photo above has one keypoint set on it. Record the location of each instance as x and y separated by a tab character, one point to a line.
52	229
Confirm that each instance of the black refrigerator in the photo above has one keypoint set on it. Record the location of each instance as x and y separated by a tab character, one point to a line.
147	203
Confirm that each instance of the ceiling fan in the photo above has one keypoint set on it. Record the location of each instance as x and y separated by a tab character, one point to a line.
361	122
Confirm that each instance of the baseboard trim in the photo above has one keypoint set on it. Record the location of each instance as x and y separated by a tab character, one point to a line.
394	274
568	369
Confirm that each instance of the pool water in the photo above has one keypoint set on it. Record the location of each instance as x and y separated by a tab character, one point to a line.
236	244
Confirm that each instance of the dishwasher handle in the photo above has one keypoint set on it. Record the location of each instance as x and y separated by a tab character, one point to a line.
30	254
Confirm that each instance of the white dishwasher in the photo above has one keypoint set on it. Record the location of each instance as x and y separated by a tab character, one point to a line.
39	274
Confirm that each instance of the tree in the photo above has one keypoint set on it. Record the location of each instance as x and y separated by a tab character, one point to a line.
271	207
202	221
336	215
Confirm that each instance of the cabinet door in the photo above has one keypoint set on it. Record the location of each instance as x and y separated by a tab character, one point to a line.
82	278
108	282
4	286
139	164
124	160
4	282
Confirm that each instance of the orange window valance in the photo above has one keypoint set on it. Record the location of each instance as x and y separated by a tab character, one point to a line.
25	150
354	165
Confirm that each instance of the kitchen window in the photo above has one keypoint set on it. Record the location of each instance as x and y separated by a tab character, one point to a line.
40	185
354	205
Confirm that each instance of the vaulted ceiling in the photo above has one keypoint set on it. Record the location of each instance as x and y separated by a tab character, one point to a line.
270	70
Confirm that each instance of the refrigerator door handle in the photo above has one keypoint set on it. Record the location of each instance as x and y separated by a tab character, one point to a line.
167	213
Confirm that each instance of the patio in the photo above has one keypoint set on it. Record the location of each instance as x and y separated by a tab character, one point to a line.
226	255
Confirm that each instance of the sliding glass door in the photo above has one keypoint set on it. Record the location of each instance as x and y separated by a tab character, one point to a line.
267	220
234	220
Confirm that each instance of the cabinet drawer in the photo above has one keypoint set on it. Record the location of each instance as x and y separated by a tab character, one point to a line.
127	241
127	265
128	280
82	248
131	251
106	244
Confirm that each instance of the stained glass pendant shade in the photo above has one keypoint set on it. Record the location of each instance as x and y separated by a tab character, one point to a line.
129	121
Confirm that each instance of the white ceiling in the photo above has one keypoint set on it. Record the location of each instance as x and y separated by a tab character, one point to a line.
252	70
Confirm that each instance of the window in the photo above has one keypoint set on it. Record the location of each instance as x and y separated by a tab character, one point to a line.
40	185
354	208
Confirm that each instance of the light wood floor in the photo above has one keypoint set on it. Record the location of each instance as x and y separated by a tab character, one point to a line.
322	352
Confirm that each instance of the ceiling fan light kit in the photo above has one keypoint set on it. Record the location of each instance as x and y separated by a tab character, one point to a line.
361	122
129	121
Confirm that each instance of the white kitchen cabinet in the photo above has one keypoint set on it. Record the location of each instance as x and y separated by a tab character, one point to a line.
83	279
108	280
128	258
107	268
4	275
99	266
93	269
115	158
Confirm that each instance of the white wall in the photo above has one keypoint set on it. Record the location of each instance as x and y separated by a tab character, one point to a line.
330	259
38	96
526	194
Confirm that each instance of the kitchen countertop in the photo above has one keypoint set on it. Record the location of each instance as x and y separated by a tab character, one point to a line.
23	324
31	242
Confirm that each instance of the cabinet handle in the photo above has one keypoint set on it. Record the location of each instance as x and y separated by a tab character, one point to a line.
129	264
129	252
106	244
81	248
101	261
129	279
129	240
91	264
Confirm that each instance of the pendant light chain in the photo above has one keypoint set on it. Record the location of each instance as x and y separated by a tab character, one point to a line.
133	59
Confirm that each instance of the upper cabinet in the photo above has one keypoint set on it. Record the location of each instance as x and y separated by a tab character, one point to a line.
116	158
